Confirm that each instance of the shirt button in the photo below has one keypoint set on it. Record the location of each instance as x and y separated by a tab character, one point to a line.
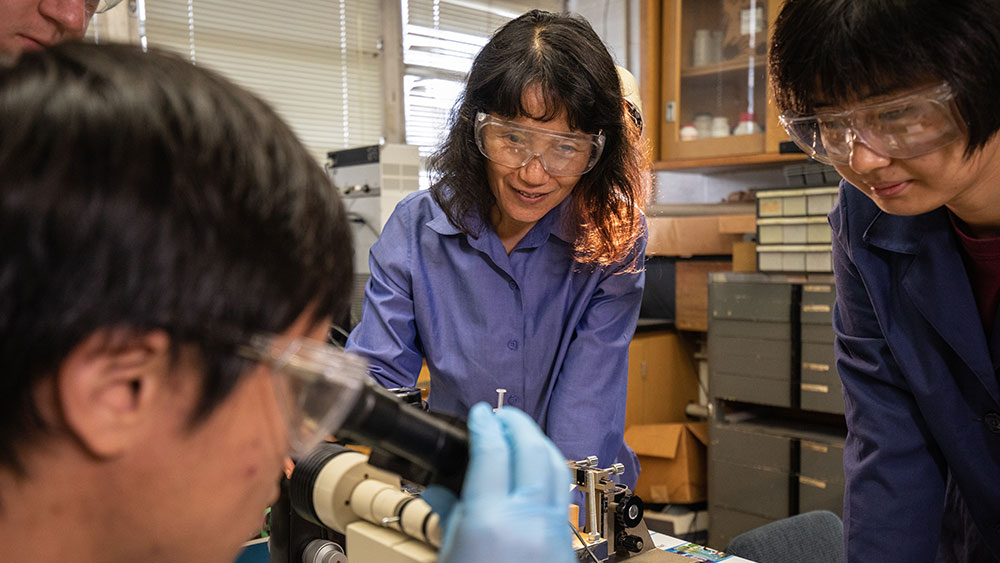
992	421
513	400
512	344
513	285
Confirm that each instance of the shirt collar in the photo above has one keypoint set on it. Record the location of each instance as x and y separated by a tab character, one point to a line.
897	233
552	223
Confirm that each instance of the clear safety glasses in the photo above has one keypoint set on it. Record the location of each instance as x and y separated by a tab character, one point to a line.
100	6
906	126
513	145
316	385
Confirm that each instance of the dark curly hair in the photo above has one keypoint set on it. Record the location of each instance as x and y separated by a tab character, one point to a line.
836	51
563	56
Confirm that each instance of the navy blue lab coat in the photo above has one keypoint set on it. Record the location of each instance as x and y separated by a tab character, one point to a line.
922	459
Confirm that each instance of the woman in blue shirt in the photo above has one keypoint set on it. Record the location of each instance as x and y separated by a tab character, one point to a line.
521	267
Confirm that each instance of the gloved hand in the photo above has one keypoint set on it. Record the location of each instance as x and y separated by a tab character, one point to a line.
515	498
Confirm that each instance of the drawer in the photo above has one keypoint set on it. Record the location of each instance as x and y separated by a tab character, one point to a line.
821	391
820	495
821	460
745	445
753	490
817	334
794	258
818	358
750	301
769	359
751	389
724	524
752	330
817	303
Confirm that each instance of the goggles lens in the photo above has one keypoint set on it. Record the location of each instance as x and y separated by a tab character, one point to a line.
513	145
316	385
906	126
100	6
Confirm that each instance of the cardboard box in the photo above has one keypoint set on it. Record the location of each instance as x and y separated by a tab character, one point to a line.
692	236
691	292
662	378
745	256
673	458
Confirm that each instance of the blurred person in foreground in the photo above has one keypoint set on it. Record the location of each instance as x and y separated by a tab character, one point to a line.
167	246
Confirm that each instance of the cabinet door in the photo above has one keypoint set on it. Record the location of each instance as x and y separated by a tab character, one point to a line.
714	82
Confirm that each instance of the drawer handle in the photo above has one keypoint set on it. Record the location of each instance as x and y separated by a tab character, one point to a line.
812	482
815	308
821	448
815	388
816	288
815	367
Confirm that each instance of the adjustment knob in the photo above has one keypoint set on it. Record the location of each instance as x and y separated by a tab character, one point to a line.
632	543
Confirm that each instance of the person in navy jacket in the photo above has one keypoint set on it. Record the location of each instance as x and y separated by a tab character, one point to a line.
903	98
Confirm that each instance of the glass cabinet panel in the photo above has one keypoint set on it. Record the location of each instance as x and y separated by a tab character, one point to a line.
714	77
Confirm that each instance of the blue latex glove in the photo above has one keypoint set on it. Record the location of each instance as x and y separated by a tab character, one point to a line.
515	499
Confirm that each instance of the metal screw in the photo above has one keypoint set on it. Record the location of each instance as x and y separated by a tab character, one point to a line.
500	393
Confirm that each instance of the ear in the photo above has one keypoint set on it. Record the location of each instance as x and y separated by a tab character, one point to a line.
109	387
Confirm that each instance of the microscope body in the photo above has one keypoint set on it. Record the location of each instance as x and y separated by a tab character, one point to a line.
335	498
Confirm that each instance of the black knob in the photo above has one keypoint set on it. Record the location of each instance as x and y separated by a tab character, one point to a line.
632	543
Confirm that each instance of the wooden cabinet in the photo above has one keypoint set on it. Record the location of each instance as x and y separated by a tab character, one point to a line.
712	67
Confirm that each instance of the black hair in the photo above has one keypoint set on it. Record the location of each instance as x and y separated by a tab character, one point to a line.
837	51
140	192
563	56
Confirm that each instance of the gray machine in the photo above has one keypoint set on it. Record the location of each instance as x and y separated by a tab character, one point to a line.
372	180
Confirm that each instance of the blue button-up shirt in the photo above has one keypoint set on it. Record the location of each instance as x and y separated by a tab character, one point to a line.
552	332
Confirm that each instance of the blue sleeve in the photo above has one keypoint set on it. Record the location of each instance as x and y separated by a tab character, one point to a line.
387	334
895	474
586	414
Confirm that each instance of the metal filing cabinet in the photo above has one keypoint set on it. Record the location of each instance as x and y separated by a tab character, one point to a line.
776	438
751	345
821	389
765	470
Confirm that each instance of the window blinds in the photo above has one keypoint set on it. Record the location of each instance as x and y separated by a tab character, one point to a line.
440	40
316	61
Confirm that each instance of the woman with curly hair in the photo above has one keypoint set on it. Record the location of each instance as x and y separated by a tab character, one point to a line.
521	268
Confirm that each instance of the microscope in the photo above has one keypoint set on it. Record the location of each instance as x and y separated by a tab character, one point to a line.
342	505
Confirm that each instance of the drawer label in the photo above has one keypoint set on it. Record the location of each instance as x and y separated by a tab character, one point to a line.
815	367
815	308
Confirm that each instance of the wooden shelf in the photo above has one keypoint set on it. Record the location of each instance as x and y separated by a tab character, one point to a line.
738	64
716	163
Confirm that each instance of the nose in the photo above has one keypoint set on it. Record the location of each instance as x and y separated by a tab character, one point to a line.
863	159
533	172
70	16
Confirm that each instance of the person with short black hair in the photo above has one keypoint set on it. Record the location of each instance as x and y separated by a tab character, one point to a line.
901	97
522	267
167	249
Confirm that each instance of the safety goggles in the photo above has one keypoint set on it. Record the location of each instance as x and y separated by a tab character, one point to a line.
316	385
513	145
906	126
100	6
